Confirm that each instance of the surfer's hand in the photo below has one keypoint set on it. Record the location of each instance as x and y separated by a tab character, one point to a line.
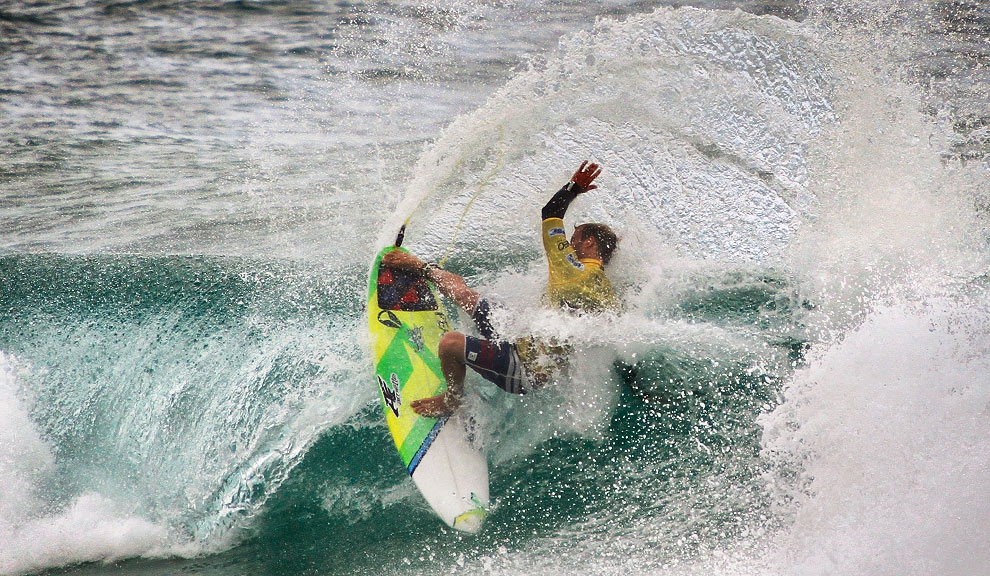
585	175
436	406
401	260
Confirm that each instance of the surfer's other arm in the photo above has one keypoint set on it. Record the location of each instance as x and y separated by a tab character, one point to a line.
451	285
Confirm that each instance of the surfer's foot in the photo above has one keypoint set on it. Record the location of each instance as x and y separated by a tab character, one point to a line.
436	406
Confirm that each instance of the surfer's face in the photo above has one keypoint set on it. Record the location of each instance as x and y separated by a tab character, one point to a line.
579	242
576	238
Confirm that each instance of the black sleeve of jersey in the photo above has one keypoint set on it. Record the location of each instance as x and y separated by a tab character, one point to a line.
557	206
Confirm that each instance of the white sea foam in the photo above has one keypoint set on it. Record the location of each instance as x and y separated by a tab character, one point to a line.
880	448
891	428
882	465
91	527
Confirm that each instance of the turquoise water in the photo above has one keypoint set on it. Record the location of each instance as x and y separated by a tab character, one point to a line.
171	377
193	193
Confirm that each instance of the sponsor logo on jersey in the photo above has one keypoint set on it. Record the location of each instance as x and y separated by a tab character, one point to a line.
574	262
557	232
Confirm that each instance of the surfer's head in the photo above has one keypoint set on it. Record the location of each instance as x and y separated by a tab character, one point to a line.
594	240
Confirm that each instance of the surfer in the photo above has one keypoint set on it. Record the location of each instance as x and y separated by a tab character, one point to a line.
577	282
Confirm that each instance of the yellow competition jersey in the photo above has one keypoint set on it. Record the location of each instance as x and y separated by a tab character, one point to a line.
575	284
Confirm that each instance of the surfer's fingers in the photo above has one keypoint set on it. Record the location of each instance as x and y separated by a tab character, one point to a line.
591	173
586	174
580	172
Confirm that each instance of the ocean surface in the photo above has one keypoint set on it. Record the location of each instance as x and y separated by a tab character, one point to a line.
192	193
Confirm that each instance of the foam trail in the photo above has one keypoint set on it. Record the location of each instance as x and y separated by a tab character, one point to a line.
714	161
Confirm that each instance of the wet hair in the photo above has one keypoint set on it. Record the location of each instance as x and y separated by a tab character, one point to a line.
604	237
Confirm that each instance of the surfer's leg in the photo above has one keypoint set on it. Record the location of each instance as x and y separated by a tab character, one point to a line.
483	321
496	361
451	353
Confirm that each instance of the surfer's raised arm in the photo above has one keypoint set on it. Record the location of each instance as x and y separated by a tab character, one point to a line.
576	277
580	183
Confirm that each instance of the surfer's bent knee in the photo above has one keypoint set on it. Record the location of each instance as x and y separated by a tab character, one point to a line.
451	344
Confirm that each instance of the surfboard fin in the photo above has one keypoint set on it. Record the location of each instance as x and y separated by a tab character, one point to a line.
472	520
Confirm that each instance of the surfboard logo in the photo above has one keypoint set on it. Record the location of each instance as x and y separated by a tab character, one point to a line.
416	337
442	323
391	393
390	319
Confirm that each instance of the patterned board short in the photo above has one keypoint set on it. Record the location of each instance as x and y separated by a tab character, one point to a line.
496	360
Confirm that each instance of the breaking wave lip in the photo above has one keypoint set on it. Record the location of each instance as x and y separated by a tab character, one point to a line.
89	528
177	393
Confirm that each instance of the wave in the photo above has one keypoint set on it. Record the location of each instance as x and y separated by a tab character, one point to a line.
180	406
183	389
772	234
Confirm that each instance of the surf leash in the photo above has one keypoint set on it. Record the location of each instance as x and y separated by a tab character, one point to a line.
499	162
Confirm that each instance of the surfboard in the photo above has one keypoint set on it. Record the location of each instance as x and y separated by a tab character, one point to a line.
406	319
